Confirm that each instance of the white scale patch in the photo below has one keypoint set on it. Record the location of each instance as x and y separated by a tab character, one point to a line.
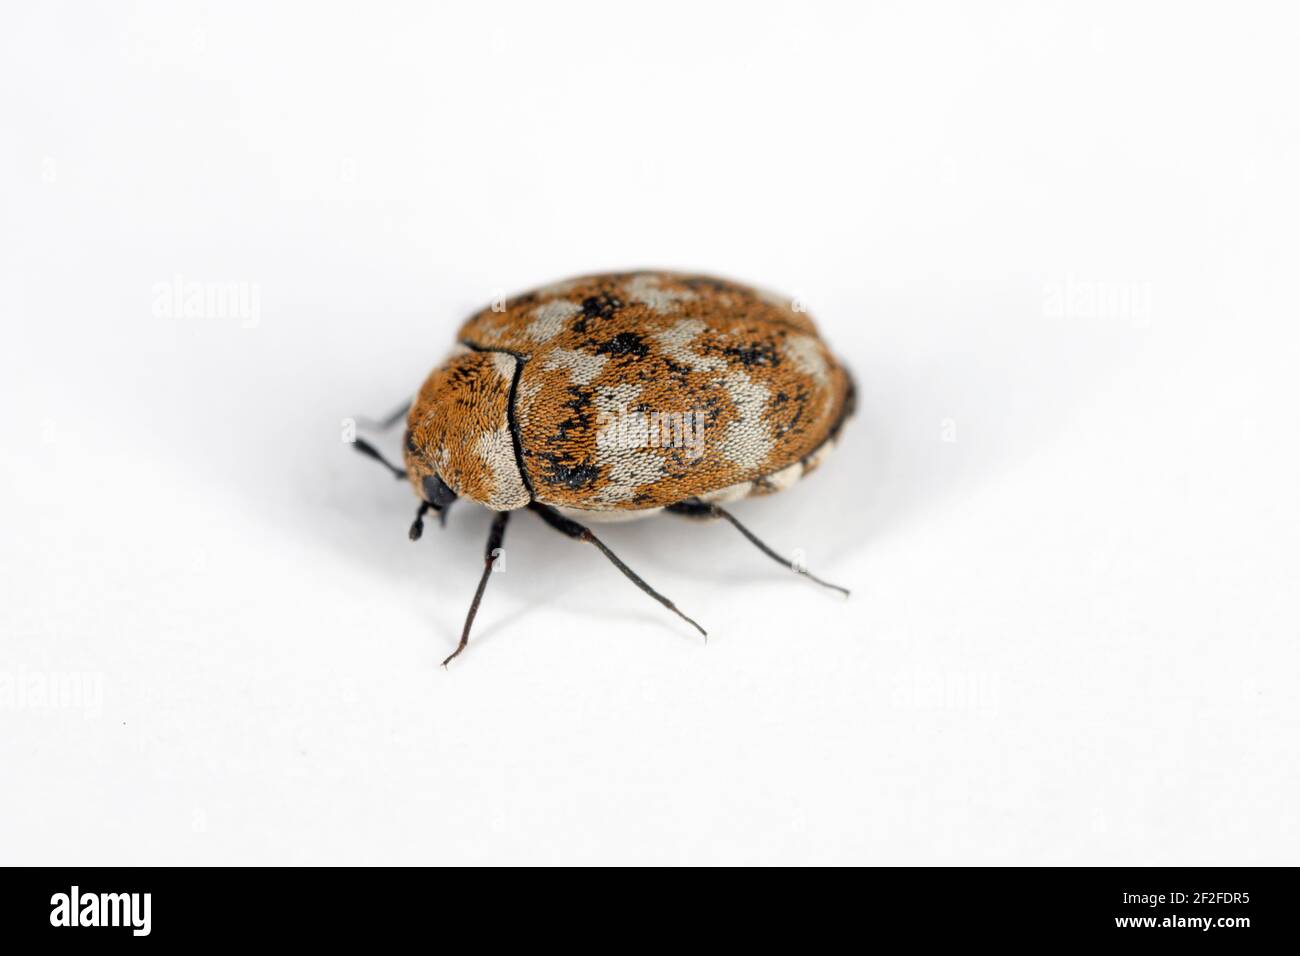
615	399
724	496
675	341
582	368
498	452
528	392
624	469
549	319
749	441
605	517
504	363
806	355
783	479
645	289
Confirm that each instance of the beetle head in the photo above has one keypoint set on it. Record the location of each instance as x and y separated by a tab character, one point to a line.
436	492
429	485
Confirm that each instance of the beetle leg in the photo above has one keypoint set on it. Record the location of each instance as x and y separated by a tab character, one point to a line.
388	421
417	526
490	554
694	508
370	451
582	533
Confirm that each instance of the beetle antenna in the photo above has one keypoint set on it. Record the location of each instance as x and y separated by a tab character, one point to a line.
388	421
581	533
370	451
701	509
496	535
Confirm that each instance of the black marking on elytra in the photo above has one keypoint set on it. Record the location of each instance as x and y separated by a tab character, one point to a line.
566	470
761	354
681	371
710	403
660	365
602	305
563	468
786	411
846	412
580	402
622	345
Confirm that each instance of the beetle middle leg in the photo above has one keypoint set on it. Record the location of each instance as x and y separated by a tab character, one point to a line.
370	451
580	532
385	423
694	508
496	535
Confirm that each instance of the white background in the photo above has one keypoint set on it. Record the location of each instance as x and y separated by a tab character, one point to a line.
1055	242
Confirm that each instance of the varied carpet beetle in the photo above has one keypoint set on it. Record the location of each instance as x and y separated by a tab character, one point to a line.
613	397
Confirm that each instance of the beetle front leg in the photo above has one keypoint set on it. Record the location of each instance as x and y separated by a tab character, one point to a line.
490	554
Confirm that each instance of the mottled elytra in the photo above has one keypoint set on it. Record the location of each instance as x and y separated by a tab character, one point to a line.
618	396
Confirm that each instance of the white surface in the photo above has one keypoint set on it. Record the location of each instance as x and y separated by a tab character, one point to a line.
1073	636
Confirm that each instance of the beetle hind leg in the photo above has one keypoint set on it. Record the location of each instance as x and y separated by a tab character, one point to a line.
694	508
580	532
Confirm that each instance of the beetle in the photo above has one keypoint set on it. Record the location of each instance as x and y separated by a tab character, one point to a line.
618	396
